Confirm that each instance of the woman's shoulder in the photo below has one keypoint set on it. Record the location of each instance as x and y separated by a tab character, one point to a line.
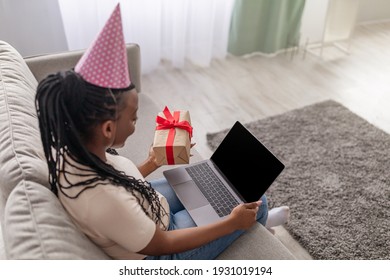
117	158
125	165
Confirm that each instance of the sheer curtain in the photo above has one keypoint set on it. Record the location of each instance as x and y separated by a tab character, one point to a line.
174	30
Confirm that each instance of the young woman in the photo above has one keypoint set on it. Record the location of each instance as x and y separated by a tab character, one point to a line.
106	195
84	112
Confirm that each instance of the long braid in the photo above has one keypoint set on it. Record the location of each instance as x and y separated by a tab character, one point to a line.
67	108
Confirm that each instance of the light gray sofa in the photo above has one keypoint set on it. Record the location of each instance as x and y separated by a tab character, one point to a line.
34	224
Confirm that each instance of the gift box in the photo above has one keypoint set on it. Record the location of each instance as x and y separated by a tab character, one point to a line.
172	138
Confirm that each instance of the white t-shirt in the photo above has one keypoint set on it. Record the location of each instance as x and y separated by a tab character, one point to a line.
110	215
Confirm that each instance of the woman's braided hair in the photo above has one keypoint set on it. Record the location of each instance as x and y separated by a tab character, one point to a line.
68	108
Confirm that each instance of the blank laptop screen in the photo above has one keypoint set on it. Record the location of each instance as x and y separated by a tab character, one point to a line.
246	163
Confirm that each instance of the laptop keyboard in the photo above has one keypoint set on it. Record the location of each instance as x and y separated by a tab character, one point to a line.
212	188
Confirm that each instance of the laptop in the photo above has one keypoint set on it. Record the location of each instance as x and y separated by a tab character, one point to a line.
240	170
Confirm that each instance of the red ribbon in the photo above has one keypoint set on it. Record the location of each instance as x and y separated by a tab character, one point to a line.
172	122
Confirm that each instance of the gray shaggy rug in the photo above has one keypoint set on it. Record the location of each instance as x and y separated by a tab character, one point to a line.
336	180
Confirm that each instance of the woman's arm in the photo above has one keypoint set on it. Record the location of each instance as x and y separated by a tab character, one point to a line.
170	242
147	167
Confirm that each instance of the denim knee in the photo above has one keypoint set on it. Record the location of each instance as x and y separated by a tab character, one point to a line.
262	214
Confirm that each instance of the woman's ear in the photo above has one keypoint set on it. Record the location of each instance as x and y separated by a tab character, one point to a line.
108	129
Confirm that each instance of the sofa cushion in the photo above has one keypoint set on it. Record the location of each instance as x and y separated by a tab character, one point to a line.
38	227
21	152
34	224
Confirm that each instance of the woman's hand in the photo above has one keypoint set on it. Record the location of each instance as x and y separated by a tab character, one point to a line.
152	158
173	241
244	215
150	164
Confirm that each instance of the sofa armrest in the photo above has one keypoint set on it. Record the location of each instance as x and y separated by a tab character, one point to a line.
43	65
256	244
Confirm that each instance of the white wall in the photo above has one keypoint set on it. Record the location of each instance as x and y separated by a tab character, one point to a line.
313	19
32	26
374	10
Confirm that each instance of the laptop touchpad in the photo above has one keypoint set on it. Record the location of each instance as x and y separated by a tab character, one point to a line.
190	195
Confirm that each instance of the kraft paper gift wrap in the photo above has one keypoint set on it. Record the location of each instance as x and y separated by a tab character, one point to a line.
172	138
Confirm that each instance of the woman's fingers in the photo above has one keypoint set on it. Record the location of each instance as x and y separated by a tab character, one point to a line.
253	205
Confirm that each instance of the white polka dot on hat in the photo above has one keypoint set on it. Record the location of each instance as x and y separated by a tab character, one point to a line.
104	63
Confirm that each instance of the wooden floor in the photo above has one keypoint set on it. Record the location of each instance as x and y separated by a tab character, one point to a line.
254	87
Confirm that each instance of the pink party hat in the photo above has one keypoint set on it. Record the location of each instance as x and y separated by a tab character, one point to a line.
104	63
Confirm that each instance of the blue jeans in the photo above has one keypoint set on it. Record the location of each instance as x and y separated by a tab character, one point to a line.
180	218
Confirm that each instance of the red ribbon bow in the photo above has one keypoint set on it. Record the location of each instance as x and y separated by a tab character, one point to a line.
172	122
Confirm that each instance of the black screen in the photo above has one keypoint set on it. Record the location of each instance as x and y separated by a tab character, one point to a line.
246	163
